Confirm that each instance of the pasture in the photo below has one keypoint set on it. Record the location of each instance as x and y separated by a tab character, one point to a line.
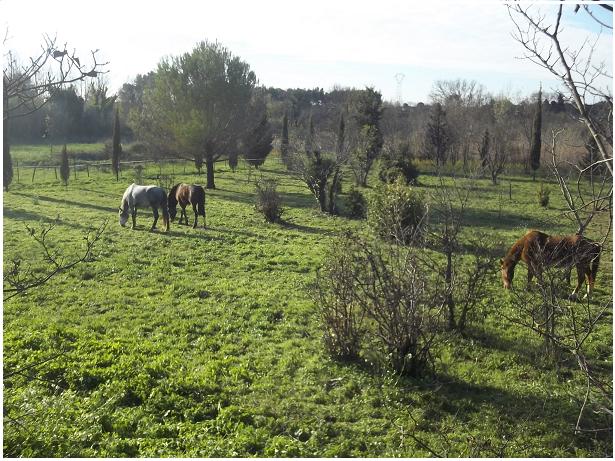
206	342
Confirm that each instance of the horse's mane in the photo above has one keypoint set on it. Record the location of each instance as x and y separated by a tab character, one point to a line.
171	196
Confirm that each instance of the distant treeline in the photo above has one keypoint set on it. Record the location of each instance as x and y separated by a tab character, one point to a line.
70	116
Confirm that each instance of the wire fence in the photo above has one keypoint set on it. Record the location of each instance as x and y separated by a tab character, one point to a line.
131	169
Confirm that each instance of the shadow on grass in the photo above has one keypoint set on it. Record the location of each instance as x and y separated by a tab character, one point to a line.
19	215
307	229
504	220
72	203
290	199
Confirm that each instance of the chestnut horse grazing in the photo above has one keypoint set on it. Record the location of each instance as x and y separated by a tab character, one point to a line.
538	250
185	194
144	196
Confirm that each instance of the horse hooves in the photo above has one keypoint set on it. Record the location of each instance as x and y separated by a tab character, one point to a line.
573	297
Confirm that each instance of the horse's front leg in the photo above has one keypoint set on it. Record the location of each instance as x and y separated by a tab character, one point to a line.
195	216
155	219
133	214
184	216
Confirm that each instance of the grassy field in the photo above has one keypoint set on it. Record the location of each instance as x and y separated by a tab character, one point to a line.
205	342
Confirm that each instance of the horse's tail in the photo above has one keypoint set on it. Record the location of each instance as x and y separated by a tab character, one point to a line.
200	207
593	269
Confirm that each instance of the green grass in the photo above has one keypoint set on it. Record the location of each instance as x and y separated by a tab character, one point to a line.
49	154
206	342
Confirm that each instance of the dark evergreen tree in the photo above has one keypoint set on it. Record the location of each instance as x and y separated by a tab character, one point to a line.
284	143
484	150
336	181
117	146
536	136
437	136
64	167
368	112
258	142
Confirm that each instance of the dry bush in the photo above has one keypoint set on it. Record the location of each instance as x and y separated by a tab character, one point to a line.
387	285
268	201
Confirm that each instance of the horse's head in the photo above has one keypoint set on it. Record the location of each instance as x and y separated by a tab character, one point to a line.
508	271
172	212
123	216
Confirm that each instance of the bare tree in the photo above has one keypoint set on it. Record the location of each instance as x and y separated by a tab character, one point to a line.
588	195
566	328
19	279
28	87
574	67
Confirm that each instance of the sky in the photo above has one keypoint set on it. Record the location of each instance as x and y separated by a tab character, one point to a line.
320	43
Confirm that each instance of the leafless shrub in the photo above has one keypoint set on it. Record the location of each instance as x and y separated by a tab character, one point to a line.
341	316
566	327
387	284
268	201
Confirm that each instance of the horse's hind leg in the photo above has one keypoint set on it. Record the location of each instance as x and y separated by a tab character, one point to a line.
155	218
134	218
589	279
184	215
581	269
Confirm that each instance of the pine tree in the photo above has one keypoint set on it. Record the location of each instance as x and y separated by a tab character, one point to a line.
64	168
536	136
284	142
258	142
336	181
117	147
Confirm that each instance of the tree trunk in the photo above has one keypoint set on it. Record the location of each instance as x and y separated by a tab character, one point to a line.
209	163
448	278
6	152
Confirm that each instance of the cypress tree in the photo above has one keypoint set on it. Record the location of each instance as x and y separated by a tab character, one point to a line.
284	142
437	137
484	150
117	147
7	171
536	135
64	167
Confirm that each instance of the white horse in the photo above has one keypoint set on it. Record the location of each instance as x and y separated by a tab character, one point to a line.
144	196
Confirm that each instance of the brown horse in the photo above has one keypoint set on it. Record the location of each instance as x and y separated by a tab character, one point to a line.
185	194
539	250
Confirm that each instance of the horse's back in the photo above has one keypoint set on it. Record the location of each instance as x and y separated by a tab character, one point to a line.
151	195
197	193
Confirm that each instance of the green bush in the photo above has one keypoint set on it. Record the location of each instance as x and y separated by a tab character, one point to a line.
396	212
357	205
397	163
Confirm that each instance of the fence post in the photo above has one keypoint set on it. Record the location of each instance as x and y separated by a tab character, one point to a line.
87	169
509	190
17	168
33	172
55	170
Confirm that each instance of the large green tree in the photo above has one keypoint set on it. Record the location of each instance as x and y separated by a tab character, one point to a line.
197	104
